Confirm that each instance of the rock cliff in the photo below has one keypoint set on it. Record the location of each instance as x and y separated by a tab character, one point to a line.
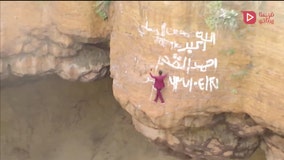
224	90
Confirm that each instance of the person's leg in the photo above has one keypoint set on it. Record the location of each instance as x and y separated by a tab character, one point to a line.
157	96
161	97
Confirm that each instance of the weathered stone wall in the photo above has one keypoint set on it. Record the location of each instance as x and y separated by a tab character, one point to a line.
40	38
219	83
238	72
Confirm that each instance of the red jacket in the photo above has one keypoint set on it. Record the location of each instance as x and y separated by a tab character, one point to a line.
159	81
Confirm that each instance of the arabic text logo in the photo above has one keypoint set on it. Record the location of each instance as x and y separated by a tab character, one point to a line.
266	18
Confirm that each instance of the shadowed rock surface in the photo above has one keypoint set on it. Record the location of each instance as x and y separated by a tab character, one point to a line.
53	119
49	118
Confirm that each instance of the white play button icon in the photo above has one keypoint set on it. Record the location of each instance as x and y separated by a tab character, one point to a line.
249	17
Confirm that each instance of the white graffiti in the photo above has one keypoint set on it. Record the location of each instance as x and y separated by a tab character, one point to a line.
163	32
164	43
184	63
148	80
209	63
189	47
204	84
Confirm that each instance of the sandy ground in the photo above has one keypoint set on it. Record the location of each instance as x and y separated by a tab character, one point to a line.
54	119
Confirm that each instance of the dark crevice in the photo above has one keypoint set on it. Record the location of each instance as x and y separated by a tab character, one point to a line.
229	131
103	45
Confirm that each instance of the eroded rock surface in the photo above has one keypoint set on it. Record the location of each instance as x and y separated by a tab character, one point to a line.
39	38
273	146
225	88
238	73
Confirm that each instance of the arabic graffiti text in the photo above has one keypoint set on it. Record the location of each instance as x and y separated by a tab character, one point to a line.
182	58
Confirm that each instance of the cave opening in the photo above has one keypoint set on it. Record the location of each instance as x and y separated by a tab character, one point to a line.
52	118
48	116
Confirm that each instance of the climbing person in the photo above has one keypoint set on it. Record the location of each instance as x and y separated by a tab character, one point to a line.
159	85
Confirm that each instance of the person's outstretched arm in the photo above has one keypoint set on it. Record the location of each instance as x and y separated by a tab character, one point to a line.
151	73
165	75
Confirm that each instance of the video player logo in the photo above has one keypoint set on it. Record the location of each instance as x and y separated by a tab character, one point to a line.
249	17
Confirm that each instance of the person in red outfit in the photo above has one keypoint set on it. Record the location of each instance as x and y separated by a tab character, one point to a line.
159	85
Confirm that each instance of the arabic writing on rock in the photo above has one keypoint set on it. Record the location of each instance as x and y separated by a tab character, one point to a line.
181	58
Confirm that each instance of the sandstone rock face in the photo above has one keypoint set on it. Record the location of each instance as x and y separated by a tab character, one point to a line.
40	38
224	88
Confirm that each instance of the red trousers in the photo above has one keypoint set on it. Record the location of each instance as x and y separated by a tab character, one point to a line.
159	95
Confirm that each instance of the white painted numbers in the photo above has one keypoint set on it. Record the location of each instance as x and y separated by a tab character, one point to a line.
205	84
